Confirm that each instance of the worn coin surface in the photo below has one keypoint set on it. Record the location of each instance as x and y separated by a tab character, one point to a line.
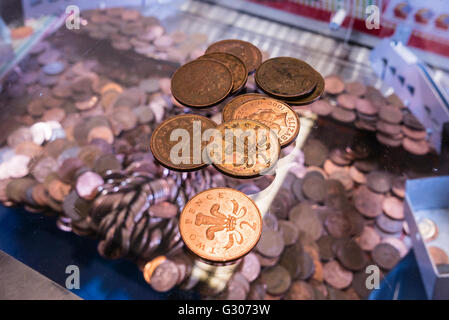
237	67
385	256
245	51
220	224
312	96
201	83
275	114
336	275
286	77
164	148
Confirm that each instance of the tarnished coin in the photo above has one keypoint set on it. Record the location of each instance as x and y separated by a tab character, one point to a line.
315	152
367	202
245	51
164	148
351	256
286	77
275	114
347	101
164	276
277	279
237	67
379	181
334	84
236	102
314	187
220	224
390	114
414	134
201	83
322	107
418	148
393	207
338	226
312	96
303	216
365	107
398	244
250	267
289	231
301	290
336	275
271	243
87	185
343	115
247	148
385	256
355	88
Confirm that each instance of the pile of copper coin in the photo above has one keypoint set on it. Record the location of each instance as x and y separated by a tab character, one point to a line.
78	146
367	109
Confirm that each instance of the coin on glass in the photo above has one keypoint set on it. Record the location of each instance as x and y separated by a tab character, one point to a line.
236	102
286	77
220	224
245	51
275	114
244	148
334	84
235	65
177	142
201	83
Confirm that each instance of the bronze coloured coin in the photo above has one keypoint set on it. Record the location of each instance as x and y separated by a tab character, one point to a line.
438	255
393	207
235	65
201	83
322	107
275	114
367	202
277	279
271	243
385	256
355	88
368	239
334	84
236	102
164	148
312	96
220	224
247	148
336	275
245	51
286	77
315	152
418	148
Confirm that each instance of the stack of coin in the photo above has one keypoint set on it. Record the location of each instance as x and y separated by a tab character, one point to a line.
289	79
367	108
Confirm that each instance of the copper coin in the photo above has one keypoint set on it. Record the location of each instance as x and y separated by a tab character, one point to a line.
314	188
301	290
220	224
325	247
390	114
385	256
237	67
388	225
275	114
312	96
388	128
164	210
368	239
393	207
277	279
303	216
398	186
438	255
245	51
414	134
334	84
286	77
254	151
343	115
271	243
366	165
351	256
162	145
87	185
164	276
315	152
289	231
344	177
355	88
418	148
398	244
322	107
379	181
250	267
201	83
58	190
336	275
347	101
338	226
364	106
232	105
367	202
356	175
43	168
